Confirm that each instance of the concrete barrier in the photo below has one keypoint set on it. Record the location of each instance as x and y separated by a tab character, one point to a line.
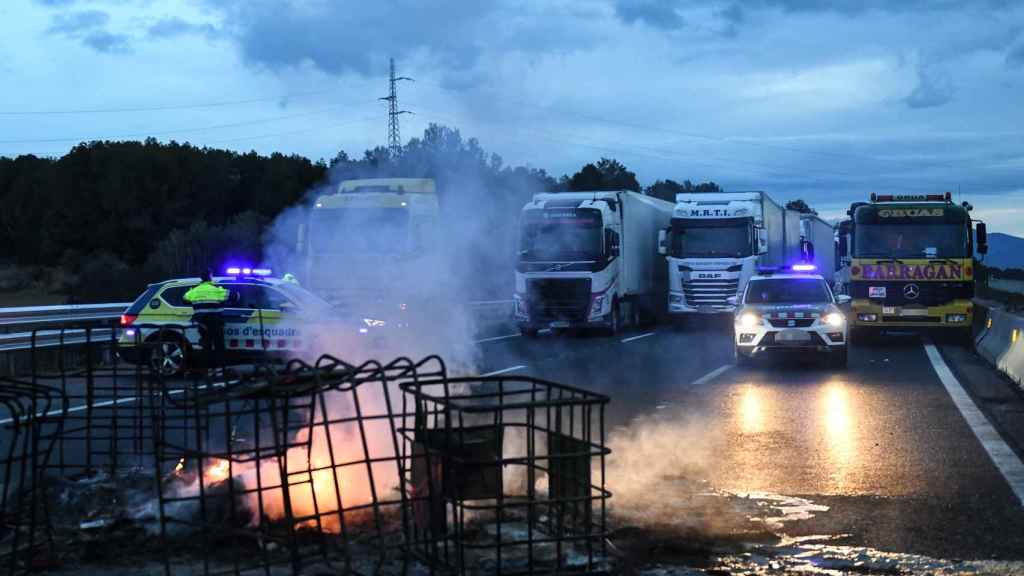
1000	340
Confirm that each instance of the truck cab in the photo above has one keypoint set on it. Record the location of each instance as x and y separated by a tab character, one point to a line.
588	259
716	242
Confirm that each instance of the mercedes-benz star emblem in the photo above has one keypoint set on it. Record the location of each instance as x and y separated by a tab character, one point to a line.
911	291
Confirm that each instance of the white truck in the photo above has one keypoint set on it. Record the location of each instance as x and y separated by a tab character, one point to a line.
717	241
589	259
819	239
367	246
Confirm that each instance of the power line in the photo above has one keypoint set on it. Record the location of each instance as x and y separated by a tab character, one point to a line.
394	134
172	131
161	107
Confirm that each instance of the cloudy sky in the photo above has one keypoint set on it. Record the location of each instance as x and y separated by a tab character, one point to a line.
822	100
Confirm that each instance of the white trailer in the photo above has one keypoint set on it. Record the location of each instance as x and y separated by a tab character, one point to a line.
819	238
589	259
717	241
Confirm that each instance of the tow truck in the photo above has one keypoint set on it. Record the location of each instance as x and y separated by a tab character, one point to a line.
913	264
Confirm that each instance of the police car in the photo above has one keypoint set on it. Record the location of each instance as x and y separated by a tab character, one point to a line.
263	317
790	310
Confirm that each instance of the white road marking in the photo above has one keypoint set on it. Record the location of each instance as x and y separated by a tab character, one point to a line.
711	375
496	338
504	370
1002	456
637	337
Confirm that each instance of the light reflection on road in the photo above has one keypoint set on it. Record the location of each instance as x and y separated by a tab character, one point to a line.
840	431
751	412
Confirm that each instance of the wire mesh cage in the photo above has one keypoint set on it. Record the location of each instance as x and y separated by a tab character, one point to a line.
505	475
29	425
282	469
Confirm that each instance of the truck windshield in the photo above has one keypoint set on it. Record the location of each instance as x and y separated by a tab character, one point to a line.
572	237
359	231
910	241
711	239
787	291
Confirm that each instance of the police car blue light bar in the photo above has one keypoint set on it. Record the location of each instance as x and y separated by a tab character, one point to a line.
233	271
261	272
804	267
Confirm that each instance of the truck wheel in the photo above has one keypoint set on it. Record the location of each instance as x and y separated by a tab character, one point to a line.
678	322
615	324
862	335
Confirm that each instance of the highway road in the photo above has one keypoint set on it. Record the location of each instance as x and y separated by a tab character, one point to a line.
911	454
878	456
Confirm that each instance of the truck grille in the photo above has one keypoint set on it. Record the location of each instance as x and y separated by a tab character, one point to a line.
559	298
932	293
709	292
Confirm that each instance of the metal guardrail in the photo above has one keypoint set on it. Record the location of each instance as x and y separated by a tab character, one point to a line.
36	316
52	338
1006	285
41	315
56	314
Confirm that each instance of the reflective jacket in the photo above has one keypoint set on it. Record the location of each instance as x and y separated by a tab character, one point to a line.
207	295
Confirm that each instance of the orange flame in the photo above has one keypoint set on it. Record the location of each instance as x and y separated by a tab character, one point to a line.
218	472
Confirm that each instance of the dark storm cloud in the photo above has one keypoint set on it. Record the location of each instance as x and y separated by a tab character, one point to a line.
90	27
342	37
656	13
934	88
76	23
1015	57
172	27
103	41
855	7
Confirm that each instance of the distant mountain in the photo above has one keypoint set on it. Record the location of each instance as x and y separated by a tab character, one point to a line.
1004	251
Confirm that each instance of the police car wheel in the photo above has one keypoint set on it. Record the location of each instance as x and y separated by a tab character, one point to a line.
743	359
169	357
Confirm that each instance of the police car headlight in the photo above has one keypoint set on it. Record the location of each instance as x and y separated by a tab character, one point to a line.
748	320
834	319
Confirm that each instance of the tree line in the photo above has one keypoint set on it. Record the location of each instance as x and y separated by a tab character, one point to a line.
109	216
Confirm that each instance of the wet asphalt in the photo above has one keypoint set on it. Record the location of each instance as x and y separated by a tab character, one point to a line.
880	444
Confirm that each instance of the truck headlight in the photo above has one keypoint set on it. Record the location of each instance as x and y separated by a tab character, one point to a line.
675	298
956	318
867	317
748	320
597	305
834	319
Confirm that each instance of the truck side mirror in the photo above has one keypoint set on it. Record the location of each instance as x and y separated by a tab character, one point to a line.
762	241
663	242
981	235
732	300
807	250
611	242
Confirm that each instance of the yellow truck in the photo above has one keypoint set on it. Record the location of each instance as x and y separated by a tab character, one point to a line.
912	264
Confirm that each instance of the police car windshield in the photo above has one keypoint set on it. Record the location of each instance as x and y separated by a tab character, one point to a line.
787	291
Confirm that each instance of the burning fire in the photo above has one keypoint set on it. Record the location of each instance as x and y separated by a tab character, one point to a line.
218	472
323	474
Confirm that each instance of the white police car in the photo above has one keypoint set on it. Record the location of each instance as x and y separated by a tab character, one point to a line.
790	310
263	317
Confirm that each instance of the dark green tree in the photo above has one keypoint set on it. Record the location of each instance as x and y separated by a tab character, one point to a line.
606	174
800	206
